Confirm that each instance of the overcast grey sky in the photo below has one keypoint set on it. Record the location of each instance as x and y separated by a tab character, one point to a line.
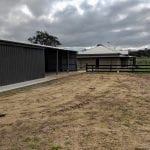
124	23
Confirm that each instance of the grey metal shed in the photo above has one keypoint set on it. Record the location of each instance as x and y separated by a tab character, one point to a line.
21	62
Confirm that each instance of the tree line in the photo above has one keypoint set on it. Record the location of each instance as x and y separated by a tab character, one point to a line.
140	53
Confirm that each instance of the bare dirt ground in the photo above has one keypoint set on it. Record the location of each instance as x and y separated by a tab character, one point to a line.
80	112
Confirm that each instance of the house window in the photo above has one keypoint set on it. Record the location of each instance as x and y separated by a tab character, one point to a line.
124	62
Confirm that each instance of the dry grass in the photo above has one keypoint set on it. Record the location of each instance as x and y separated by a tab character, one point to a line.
81	112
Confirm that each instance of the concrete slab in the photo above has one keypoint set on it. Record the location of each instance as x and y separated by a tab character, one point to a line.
49	77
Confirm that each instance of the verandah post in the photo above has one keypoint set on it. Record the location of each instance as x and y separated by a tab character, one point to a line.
68	69
57	69
86	67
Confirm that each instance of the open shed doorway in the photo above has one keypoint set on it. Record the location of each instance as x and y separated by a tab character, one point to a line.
50	60
57	60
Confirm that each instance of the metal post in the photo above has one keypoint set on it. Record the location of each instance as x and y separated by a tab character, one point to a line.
86	67
68	62
57	62
134	61
132	68
110	65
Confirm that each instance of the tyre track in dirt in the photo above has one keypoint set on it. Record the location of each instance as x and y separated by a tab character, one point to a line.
88	111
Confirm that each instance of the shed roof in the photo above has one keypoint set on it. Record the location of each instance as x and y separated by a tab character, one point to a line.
8	42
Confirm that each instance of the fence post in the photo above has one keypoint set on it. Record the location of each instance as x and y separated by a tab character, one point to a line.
86	68
132	68
76	67
110	67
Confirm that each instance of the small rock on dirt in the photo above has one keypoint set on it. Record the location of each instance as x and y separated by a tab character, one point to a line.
2	115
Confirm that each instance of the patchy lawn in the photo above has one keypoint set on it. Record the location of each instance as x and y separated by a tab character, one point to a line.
89	111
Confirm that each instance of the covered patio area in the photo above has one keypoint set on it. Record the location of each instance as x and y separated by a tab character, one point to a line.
59	60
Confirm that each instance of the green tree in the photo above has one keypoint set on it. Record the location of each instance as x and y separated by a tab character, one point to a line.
44	38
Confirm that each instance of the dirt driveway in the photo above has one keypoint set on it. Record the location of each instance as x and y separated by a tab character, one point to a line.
82	112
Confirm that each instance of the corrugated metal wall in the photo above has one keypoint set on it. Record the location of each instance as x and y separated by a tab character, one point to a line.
20	63
72	61
63	61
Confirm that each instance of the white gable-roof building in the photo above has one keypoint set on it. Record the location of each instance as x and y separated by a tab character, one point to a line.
102	55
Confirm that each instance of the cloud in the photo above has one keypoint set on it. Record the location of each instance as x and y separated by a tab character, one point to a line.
124	23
